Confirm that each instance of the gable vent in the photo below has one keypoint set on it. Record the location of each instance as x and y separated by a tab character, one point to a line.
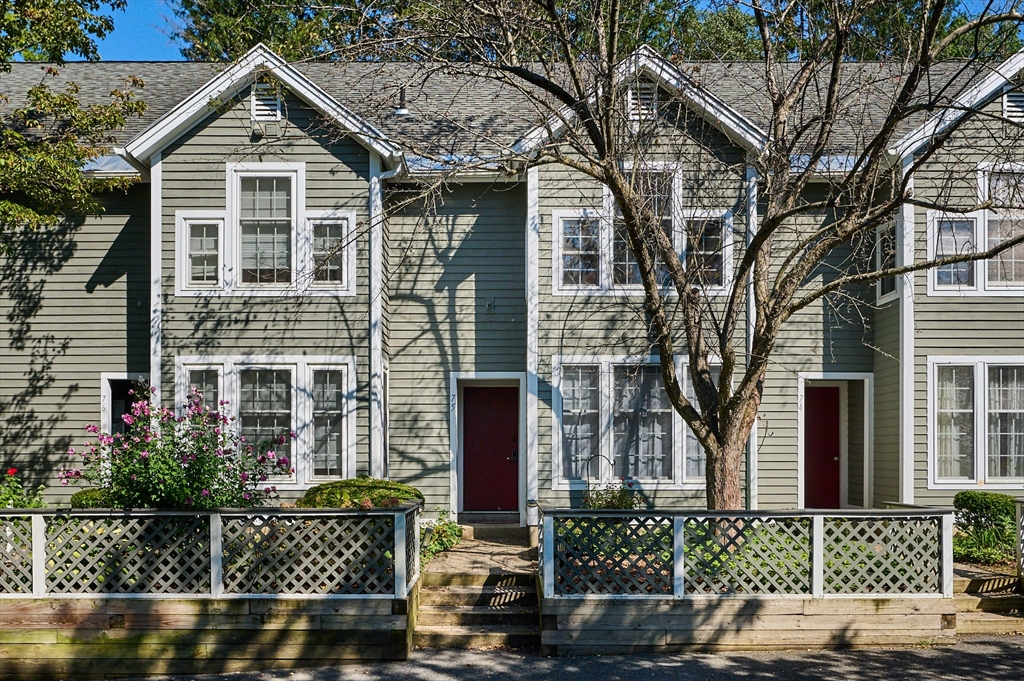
266	105
1013	105
643	101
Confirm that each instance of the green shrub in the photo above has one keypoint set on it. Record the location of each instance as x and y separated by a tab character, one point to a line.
985	527
14	495
613	496
91	498
361	492
439	535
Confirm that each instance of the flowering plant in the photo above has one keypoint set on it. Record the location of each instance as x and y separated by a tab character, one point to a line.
13	494
619	494
163	460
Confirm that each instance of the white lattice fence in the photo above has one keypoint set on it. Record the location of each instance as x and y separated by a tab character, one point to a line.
412	549
330	554
610	555
883	556
15	555
128	554
747	555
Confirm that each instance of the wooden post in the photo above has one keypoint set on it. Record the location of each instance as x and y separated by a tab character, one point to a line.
549	556
817	555
1020	540
678	558
400	562
947	555
38	555
216	555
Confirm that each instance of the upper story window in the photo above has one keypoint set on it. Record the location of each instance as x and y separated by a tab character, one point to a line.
886	246
591	252
266	242
1002	185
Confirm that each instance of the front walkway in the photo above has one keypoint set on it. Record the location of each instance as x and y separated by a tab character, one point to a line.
492	556
974	658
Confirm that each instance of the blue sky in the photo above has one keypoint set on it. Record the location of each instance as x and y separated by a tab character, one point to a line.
141	33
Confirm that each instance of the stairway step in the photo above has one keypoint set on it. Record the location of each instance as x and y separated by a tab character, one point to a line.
503	533
989	623
495	579
478	595
985	584
993	602
470	615
476	636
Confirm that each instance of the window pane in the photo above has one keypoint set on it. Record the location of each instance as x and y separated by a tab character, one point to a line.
581	422
266	198
202	253
1006	422
655	190
329	251
266	253
642	424
704	251
581	245
955	237
206	382
887	258
328	422
265	407
1007	268
1006	189
954	417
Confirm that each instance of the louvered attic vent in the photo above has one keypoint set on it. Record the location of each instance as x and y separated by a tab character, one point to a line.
1013	105
643	101
266	105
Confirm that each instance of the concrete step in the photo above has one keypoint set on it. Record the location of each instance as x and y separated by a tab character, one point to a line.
479	595
477	636
1004	602
464	579
470	615
982	583
503	533
989	623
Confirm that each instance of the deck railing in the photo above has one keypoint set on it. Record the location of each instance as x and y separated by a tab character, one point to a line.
278	552
669	554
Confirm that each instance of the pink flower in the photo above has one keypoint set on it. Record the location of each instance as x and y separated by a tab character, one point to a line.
292	434
206	492
127	418
92	429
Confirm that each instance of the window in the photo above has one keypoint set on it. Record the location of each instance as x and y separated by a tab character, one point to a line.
266	224
885	259
614	421
977	412
704	253
271	396
655	188
329	251
955	237
1007	268
581	245
204	253
117	395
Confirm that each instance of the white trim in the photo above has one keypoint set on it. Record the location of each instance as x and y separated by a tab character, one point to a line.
254	98
347	217
906	242
301	367
960	107
557	261
457	380
376	207
751	312
156	221
841	380
106	416
980	364
981	286
606	364
532	339
230	82
183	220
883	298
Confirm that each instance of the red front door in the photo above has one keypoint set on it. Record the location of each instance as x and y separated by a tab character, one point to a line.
822	455
490	449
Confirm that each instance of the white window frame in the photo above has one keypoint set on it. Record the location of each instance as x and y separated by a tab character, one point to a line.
607	287
301	367
880	297
183	392
348	286
981	364
606	364
183	220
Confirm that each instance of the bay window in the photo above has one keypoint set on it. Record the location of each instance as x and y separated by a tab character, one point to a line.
977	420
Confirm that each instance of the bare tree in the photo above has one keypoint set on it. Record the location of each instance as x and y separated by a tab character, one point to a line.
820	132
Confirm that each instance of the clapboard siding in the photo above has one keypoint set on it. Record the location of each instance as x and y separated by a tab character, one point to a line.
457	304
886	464
959	325
74	302
337	177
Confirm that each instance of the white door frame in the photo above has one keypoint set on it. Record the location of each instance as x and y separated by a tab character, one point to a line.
839	379
106	414
459	379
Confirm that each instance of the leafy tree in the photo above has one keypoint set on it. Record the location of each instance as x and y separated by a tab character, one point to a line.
47	135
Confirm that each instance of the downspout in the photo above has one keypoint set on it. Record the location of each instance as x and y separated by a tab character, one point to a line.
750	231
377	416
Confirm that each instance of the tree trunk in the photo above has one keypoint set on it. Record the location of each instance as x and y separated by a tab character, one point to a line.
724	485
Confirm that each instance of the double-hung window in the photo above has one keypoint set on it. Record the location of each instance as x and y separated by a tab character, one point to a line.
1002	188
612	420
267	224
271	396
977	421
886	259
